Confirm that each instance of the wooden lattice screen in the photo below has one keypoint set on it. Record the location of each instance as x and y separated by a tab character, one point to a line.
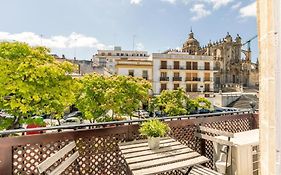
98	150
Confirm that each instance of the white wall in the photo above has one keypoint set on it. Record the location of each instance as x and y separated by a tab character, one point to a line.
170	63
137	72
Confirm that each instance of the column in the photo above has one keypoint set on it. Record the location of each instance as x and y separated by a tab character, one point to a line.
268	16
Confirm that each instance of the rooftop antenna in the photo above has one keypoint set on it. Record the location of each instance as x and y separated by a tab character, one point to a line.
134	37
41	39
75	40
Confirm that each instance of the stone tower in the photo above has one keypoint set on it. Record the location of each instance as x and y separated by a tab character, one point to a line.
191	45
231	69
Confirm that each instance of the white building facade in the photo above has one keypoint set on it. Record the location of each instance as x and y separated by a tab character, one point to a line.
137	68
193	73
108	58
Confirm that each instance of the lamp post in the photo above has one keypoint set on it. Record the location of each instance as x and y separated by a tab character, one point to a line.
253	105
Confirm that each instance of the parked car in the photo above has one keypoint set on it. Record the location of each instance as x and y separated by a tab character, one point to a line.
71	121
141	113
204	111
77	114
160	114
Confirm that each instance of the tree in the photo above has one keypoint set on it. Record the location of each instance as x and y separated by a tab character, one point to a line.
172	102
120	94
127	94
92	101
203	103
33	82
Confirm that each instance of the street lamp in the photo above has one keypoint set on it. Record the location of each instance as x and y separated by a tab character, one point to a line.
253	105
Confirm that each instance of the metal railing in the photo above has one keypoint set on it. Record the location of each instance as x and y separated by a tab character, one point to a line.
116	123
164	78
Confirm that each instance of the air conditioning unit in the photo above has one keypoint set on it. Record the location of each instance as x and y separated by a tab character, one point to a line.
243	157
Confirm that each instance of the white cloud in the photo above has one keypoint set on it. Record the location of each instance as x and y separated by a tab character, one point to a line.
140	46
249	10
216	4
59	41
170	1
200	11
237	5
219	3
136	2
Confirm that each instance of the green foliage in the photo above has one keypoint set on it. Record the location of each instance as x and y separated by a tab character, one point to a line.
154	128
172	102
5	122
110	119
191	105
33	82
203	103
120	94
92	100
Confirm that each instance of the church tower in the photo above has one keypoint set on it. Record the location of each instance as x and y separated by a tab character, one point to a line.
191	45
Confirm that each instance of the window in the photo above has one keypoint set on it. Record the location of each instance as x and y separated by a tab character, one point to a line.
207	87
207	77
207	65
122	54
163	74
127	54
163	64
131	73
176	86
194	66
176	64
109	54
188	65
188	87
176	74
163	87
194	77
188	77
102	54
194	88
117	54
145	74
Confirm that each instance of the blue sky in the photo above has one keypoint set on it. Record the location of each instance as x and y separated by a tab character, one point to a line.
80	27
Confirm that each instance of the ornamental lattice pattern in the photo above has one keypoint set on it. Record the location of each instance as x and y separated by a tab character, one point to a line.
98	148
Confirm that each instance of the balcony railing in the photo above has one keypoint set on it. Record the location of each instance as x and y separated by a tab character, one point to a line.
97	143
177	78
185	68
193	79
164	78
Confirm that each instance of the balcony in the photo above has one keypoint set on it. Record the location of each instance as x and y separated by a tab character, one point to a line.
177	78
193	79
97	143
164	78
163	67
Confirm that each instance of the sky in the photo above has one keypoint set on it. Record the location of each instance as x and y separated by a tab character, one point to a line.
77	28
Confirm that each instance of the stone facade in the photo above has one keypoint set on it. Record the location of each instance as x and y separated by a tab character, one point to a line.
227	54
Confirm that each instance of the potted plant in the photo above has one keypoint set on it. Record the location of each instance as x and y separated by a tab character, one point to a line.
154	129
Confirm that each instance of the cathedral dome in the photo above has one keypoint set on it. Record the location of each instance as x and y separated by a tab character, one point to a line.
191	45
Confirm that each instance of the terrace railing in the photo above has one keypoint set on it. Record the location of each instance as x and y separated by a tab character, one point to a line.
97	143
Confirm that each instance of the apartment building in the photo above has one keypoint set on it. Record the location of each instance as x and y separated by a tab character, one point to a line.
134	67
108	58
174	69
